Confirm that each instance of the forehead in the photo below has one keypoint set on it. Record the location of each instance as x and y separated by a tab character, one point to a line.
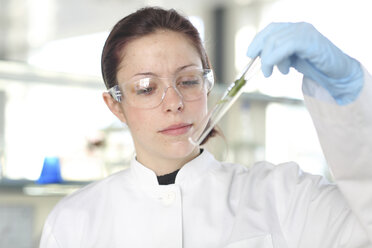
161	52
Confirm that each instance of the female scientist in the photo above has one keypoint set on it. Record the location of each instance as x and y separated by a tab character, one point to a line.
178	195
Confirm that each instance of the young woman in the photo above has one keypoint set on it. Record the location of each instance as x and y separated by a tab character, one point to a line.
176	195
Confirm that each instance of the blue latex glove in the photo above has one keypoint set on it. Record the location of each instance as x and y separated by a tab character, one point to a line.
301	46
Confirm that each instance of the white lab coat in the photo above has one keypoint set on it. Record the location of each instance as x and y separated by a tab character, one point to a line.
215	204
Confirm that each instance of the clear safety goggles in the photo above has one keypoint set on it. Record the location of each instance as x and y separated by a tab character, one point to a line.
150	91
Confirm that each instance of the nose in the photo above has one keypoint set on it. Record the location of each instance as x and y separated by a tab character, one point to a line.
172	101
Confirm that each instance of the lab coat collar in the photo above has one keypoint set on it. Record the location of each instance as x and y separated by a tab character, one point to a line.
189	173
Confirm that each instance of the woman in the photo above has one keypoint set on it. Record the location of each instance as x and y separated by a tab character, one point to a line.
177	195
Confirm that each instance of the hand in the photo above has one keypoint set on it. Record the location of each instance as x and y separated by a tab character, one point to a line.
301	46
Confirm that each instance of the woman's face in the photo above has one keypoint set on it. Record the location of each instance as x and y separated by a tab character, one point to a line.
161	133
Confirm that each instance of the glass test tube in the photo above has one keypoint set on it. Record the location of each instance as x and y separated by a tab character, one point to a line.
229	97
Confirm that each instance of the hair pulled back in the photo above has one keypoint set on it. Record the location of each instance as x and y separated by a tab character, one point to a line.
143	22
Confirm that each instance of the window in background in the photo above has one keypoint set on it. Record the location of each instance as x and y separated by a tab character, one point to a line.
76	55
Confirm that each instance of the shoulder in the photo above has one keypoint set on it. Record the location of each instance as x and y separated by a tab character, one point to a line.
94	194
286	185
281	179
284	177
263	174
262	171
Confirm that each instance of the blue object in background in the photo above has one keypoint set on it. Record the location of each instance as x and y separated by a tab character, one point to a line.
51	172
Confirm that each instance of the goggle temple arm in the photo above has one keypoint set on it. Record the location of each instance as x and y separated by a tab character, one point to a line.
115	93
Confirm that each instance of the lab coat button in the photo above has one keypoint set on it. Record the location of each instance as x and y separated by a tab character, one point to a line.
168	198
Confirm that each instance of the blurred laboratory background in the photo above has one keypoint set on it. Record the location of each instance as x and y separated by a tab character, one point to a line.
57	135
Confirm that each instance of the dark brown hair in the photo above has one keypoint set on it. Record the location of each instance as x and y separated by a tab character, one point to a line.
143	22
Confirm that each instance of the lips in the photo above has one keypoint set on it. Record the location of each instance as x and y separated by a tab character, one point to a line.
177	129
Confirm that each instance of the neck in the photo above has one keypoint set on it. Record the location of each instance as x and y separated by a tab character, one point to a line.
162	166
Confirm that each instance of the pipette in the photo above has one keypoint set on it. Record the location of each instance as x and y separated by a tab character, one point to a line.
229	97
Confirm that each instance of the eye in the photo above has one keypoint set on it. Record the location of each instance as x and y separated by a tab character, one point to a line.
189	82
145	87
144	91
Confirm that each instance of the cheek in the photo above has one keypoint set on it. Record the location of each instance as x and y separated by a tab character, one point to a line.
142	124
138	119
201	106
133	117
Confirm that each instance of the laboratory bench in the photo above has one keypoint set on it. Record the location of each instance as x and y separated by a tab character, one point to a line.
24	207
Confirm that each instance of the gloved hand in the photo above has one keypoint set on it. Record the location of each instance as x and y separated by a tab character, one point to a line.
301	46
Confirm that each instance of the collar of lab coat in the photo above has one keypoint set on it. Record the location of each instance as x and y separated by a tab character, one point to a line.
189	173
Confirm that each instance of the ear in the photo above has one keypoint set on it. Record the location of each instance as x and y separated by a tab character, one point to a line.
114	107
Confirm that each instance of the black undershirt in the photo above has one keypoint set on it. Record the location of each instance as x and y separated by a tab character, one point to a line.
168	178
171	177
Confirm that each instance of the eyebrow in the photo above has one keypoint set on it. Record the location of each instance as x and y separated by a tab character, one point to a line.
154	74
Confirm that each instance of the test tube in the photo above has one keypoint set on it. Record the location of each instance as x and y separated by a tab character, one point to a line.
231	94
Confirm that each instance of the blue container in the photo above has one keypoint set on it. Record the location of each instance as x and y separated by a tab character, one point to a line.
51	172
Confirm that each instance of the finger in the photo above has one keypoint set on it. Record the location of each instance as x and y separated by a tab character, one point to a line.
280	50
279	31
281	43
300	39
284	65
270	56
267	70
